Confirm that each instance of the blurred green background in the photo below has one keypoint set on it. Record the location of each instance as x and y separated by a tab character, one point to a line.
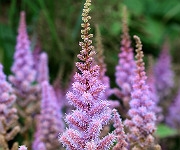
56	25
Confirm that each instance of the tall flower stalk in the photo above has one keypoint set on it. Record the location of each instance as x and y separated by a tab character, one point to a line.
126	66
23	80
141	124
49	122
8	114
92	112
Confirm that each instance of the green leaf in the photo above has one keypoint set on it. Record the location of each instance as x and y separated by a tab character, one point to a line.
115	28
155	30
135	6
165	131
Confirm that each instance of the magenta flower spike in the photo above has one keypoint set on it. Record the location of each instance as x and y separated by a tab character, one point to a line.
5	90
24	74
119	132
126	65
8	114
43	71
23	67
163	72
49	123
173	118
141	124
23	80
92	113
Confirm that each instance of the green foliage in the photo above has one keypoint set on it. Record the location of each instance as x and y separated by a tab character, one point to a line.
163	131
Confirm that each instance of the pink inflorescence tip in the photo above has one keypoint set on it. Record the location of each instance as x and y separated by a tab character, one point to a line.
23	66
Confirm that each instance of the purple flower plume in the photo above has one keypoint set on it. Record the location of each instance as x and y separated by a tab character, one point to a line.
23	80
126	65
23	67
8	115
5	90
49	122
141	124
92	113
173	118
163	72
121	143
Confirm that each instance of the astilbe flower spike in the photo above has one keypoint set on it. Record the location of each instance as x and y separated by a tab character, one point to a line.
163	72
121	136
141	124
92	113
49	122
23	79
8	114
23	66
173	118
126	65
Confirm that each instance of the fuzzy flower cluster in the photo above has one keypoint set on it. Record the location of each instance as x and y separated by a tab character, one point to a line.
126	65
141	124
23	81
92	112
173	118
119	132
163	72
23	66
49	122
8	115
